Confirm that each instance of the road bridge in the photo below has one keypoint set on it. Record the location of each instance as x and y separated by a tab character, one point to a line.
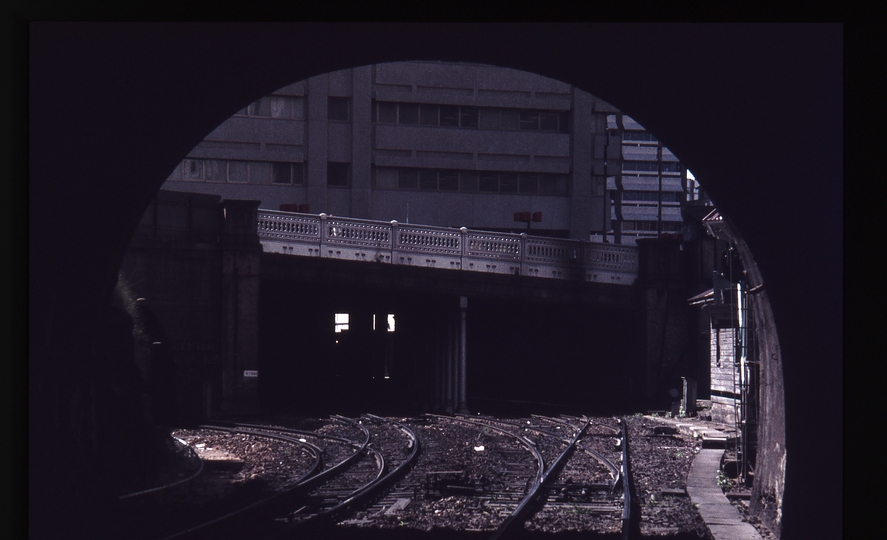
426	246
249	298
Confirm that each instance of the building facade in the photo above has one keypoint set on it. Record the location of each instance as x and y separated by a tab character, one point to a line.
447	144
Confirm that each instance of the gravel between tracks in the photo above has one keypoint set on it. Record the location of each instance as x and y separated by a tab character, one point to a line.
661	463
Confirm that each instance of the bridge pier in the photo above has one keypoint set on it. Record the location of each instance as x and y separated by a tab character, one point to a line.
462	406
449	355
241	253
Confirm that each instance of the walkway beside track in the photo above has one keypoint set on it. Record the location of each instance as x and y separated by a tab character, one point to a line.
721	517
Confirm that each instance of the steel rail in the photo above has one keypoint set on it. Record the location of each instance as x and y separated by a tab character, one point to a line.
173	484
540	470
262	502
392	475
627	515
520	513
614	469
370	488
361	447
301	483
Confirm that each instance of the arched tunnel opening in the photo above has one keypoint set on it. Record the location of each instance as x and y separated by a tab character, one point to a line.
65	308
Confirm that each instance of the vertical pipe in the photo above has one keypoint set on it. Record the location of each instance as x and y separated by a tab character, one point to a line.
448	365
659	160
463	308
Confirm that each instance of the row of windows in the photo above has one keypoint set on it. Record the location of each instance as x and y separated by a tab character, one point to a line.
416	114
646	226
287	107
473	181
650	196
256	172
339	175
293	108
240	172
642	136
650	166
489	118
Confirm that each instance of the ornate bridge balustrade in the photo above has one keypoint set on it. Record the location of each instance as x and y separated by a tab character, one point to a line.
441	247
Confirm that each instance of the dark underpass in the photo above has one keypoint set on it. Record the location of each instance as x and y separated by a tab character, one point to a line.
346	347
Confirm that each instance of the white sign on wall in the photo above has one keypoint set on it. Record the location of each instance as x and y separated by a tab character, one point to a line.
249	373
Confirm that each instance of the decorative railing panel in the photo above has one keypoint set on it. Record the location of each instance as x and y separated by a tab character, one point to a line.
293	234
354	239
441	247
606	263
435	247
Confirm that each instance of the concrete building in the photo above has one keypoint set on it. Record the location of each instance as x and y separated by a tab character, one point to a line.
448	144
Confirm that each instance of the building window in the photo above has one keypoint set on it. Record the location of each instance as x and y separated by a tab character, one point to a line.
192	169
554	184
389	325
448	180
529	183
651	196
281	107
259	172
408	114
408	179
428	179
651	226
524	120
479	181
386	113
242	172
641	136
341	322
215	170
428	115
338	174
488	182
412	114
509	119
508	182
286	107
287	173
650	166
529	120
238	172
261	107
449	116
339	109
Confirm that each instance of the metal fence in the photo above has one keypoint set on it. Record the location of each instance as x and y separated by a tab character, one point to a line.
441	247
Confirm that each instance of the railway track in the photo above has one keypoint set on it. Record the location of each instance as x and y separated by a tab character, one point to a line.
328	471
587	493
390	450
491	475
474	473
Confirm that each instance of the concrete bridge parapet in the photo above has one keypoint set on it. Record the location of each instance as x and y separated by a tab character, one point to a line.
334	237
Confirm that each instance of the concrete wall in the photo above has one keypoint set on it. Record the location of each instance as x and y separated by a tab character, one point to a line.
199	277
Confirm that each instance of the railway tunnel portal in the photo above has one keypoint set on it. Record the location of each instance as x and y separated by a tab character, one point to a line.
786	72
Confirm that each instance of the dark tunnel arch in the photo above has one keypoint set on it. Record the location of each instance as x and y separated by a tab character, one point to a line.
109	101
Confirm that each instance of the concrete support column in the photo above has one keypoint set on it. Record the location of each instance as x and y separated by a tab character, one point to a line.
463	308
439	380
449	402
241	253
